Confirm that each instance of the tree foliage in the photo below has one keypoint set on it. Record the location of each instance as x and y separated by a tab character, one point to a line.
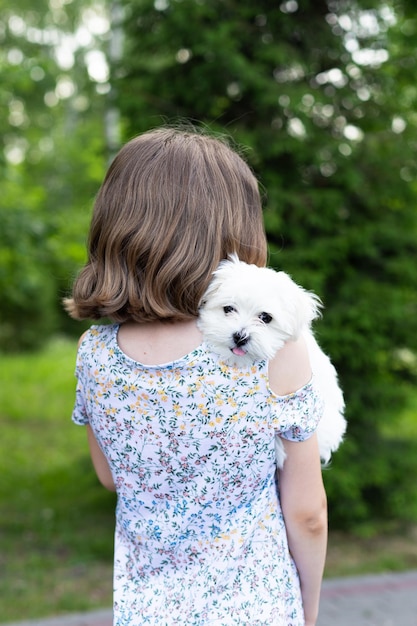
323	94
51	162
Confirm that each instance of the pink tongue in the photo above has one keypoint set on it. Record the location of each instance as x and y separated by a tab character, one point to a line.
238	351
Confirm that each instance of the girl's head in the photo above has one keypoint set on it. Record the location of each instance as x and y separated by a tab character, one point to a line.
173	204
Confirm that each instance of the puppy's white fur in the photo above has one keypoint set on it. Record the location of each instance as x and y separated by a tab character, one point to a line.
248	313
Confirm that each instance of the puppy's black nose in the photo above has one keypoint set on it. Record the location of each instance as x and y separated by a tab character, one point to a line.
240	338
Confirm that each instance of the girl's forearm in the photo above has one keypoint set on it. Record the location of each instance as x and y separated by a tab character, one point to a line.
308	546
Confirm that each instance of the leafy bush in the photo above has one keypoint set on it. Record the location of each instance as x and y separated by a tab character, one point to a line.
27	312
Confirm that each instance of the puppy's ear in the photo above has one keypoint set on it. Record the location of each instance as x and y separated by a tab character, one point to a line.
215	283
220	275
209	292
301	307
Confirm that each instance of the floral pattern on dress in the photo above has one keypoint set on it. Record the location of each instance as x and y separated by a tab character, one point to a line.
200	537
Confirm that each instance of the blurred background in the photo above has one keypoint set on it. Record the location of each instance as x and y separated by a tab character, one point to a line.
322	96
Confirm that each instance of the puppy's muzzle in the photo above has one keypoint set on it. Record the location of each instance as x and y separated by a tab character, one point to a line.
240	338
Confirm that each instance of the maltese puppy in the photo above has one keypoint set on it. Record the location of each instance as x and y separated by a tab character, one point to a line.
249	312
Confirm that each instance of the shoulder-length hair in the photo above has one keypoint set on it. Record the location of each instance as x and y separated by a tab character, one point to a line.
173	204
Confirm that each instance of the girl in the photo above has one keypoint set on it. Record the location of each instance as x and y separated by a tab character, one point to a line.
205	531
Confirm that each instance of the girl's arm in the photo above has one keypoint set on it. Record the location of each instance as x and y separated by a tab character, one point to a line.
302	494
304	507
100	462
97	456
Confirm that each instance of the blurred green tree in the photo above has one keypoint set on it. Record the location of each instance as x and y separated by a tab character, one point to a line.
323	94
53	93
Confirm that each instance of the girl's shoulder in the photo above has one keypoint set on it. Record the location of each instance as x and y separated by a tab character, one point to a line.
290	369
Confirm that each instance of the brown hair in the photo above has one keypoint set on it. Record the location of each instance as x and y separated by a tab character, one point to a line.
173	204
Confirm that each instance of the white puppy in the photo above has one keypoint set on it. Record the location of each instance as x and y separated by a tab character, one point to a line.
248	313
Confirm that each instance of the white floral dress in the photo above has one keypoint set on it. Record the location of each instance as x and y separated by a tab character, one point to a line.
200	537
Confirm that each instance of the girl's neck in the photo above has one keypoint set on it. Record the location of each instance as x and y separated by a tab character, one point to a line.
155	343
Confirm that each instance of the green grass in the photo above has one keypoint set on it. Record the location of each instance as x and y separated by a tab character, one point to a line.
392	550
57	522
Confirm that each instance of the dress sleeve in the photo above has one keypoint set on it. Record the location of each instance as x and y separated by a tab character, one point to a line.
298	414
79	414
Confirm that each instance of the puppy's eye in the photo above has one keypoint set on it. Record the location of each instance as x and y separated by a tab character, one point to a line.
229	309
265	317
